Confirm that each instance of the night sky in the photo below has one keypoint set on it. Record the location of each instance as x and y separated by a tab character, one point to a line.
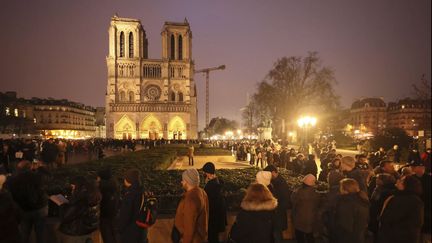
380	48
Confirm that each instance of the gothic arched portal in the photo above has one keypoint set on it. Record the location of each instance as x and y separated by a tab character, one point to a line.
176	128
125	128
151	128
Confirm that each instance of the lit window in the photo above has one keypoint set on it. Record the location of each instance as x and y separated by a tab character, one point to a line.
24	114
403	107
7	111
16	112
34	120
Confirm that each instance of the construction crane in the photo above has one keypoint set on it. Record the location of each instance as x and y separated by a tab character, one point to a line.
207	73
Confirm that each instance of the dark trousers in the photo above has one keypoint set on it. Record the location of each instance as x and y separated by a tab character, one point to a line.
34	219
213	237
107	230
191	160
303	237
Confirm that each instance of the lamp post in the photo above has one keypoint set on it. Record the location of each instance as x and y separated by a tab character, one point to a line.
306	122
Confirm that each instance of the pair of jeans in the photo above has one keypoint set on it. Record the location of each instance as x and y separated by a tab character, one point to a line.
36	219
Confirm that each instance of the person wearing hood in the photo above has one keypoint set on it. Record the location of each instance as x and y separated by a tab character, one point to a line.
255	221
128	230
305	202
351	213
217	207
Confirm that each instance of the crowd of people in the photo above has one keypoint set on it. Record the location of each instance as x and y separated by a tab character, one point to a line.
368	200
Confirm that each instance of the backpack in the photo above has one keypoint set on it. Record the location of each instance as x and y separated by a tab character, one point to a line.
147	213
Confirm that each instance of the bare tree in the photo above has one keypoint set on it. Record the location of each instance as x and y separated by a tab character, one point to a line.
422	90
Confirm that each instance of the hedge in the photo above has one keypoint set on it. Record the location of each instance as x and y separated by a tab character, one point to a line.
165	184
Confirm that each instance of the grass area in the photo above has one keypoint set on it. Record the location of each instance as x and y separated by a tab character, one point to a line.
165	184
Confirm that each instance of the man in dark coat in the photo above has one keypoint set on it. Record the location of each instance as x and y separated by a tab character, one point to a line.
49	152
217	206
129	232
420	173
282	193
27	189
9	215
108	206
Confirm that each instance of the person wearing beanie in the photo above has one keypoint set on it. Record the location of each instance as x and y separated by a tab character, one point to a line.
282	193
129	209
192	214
108	207
264	177
305	201
217	206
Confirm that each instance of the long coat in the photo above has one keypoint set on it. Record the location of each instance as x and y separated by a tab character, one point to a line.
305	202
191	217
255	222
282	193
402	219
217	206
10	216
127	215
351	218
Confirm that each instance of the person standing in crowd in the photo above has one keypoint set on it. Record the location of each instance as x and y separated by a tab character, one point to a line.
217	206
348	167
419	171
81	214
191	151
128	230
394	154
282	193
264	177
5	157
305	202
27	190
298	163
49	152
310	166
328	208
402	215
385	187
192	214
351	213
9	215
255	221
426	159
385	166
108	206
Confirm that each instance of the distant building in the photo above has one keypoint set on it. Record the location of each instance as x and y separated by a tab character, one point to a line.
45	117
368	116
63	118
150	98
414	116
100	122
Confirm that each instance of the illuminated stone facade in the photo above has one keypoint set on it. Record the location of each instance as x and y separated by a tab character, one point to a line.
150	98
368	115
414	116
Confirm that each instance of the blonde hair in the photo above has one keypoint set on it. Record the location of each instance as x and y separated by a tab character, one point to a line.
258	193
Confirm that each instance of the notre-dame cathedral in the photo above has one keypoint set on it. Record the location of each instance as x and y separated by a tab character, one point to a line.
150	98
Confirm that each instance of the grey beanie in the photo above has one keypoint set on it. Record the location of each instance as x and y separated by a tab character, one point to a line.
191	176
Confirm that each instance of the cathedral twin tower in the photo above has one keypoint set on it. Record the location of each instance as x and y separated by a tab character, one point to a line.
150	98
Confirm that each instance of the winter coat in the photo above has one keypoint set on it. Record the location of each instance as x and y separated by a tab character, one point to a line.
310	167
191	217
10	216
327	211
305	202
27	189
80	215
255	222
379	195
128	214
351	218
426	198
282	193
110	198
402	219
360	176
217	206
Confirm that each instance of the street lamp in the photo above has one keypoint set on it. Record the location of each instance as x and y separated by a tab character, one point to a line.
305	122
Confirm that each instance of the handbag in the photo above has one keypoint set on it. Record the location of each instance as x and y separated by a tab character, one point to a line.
175	235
